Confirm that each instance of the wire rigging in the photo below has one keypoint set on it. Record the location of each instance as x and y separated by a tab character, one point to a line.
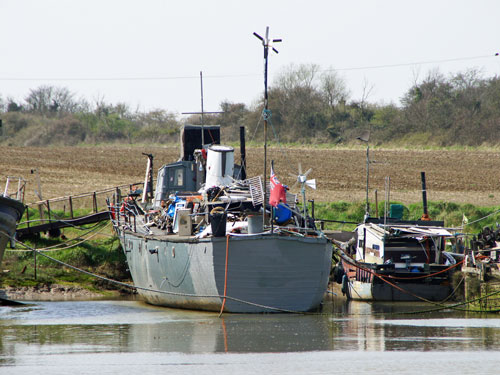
242	75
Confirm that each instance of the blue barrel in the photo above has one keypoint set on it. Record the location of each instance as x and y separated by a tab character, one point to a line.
282	213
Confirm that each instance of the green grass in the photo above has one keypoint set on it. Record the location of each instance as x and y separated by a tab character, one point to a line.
55	214
101	255
451	213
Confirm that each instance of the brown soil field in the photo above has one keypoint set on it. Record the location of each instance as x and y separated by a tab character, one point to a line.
452	176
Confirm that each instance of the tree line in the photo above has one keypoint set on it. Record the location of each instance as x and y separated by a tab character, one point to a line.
308	105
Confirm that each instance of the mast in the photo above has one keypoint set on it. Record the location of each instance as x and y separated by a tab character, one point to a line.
202	123
202	112
266	43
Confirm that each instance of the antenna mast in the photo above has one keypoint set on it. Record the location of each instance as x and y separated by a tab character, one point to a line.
266	43
202	111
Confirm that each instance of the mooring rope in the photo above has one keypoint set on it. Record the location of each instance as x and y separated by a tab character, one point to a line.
484	217
68	221
382	277
265	307
439	304
99	227
225	276
270	308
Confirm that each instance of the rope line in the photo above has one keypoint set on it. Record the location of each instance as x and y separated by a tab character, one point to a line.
225	277
270	308
485	217
67	221
425	276
99	227
439	304
381	277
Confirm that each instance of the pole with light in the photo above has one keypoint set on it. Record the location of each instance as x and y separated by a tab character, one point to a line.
267	43
365	137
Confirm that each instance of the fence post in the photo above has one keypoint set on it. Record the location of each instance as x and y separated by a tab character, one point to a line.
34	258
71	206
95	203
48	210
28	216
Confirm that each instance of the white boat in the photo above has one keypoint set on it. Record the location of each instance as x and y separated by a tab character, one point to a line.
395	260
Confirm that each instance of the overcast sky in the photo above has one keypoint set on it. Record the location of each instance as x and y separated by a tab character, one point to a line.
106	48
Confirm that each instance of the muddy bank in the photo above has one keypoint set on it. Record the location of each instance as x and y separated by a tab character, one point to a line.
54	292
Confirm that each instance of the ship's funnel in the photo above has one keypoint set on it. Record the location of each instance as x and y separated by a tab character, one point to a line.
220	166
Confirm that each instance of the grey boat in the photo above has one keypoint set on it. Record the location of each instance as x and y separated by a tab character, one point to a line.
11	210
199	242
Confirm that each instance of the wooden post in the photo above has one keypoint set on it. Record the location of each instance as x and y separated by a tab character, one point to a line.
28	216
95	202
34	258
71	206
39	194
48	209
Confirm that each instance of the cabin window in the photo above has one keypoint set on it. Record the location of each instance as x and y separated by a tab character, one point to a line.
179	177
176	177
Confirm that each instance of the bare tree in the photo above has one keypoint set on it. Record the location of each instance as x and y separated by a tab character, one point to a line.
49	99
293	76
367	91
333	88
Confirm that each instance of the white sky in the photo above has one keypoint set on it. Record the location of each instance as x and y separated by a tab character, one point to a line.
59	39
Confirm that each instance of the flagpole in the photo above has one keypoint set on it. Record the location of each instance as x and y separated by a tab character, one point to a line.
272	207
266	108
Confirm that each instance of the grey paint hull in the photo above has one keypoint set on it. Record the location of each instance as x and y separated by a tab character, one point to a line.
384	292
10	212
265	273
363	285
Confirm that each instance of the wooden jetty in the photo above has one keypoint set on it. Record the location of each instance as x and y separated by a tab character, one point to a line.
51	221
482	280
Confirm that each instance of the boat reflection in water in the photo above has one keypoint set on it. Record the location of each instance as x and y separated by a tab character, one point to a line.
234	334
129	326
104	326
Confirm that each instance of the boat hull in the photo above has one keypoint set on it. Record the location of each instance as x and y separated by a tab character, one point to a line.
360	284
385	292
10	212
265	273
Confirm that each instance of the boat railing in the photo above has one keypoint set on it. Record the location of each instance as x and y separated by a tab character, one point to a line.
56	213
19	185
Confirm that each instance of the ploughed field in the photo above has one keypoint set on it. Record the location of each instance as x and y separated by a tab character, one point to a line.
452	176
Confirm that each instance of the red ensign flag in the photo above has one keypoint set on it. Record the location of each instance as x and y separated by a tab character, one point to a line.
278	191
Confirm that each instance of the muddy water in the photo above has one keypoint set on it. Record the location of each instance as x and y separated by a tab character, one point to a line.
129	337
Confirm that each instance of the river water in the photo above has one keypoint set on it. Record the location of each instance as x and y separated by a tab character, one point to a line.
130	337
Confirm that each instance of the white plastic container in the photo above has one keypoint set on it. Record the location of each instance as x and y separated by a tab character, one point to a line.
220	166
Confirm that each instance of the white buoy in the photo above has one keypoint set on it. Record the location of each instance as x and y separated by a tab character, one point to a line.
220	166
